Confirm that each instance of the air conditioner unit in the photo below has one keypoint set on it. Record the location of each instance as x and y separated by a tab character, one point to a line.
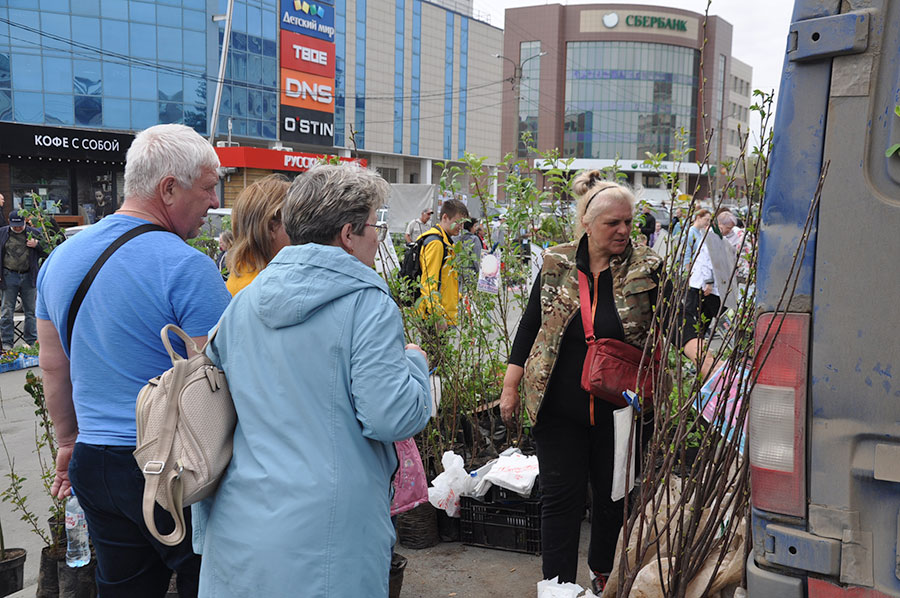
279	147
227	143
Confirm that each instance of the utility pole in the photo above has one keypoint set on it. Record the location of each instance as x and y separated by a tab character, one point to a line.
516	81
220	80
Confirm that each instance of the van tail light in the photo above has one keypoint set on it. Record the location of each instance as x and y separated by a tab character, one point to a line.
777	427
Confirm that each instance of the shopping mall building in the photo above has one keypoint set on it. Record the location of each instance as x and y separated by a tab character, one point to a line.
403	85
607	82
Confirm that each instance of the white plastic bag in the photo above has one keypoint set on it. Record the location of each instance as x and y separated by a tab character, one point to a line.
514	472
623	459
450	485
478	484
551	588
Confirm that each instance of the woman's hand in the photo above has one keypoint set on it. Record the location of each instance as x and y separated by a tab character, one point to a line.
510	402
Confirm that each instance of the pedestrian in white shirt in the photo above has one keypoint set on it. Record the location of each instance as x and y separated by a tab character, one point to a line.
419	225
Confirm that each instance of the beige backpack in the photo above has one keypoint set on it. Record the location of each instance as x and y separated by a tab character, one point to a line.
185	430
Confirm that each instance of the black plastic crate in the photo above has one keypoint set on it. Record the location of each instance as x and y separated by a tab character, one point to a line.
512	526
503	495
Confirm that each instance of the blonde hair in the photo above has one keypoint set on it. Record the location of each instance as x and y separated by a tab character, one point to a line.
257	206
595	194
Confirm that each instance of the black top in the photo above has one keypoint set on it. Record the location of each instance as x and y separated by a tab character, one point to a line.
565	396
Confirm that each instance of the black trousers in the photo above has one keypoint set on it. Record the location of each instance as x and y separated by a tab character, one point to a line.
570	456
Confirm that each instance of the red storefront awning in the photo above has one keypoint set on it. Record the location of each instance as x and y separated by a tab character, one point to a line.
269	159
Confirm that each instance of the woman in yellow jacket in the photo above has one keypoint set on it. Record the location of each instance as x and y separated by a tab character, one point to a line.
258	231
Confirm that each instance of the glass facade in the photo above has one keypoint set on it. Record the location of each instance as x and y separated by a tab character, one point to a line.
399	53
250	92
110	64
463	84
627	98
359	121
340	72
448	86
416	78
529	93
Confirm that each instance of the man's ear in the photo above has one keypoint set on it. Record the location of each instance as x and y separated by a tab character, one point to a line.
166	189
345	238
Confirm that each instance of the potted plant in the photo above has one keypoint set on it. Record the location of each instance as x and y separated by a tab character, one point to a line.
12	567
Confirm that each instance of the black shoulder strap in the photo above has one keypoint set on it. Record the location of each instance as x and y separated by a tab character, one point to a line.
92	274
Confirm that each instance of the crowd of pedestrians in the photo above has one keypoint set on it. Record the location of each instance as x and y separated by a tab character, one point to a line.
306	499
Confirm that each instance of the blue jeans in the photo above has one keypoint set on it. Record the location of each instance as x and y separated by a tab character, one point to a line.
17	284
130	562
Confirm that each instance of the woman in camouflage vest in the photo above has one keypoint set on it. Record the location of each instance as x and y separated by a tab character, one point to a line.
573	430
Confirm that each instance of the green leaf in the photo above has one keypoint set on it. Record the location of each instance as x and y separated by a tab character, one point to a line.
892	150
897	109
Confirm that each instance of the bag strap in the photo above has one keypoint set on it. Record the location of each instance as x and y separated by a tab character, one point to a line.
92	274
444	246
188	341
161	468
584	297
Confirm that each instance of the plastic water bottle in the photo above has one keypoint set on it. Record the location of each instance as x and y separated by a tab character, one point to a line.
78	552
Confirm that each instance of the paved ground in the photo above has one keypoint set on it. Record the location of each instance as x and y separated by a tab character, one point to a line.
445	570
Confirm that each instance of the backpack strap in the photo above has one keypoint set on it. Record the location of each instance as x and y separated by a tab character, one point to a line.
88	279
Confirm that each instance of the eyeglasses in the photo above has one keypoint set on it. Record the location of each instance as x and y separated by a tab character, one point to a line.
382	230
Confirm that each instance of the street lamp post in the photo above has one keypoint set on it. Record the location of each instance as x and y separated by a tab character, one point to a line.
516	81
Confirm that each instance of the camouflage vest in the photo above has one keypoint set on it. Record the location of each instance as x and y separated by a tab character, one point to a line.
632	277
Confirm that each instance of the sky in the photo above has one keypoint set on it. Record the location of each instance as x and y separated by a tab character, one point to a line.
759	36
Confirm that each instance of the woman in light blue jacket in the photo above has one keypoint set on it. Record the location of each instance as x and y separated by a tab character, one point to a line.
322	384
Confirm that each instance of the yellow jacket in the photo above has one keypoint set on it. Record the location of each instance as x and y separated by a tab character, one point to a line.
436	267
237	282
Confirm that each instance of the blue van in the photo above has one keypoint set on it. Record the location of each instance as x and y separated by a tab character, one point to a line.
824	427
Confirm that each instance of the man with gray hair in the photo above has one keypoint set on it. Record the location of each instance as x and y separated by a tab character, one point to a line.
95	365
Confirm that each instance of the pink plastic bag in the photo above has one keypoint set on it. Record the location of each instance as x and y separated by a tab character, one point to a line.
410	485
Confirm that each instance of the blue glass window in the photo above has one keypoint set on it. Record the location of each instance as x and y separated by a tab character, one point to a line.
4	71
170	112
56	26
116	113
86	31
269	48
114	9
57	75
254	69
270	106
4	28
143	41
86	78
169	43
239	66
268	129
254	128
142	12
58	109
6	112
195	88
169	15
415	78
143	83
195	20
270	25
254	44
143	114
115	36
116	78
239	126
239	18
55	5
26	38
238	42
359	120
269	73
463	83
90	8
195	4
254	103
225	102
448	87
26	72
88	111
195	117
172	2
29	107
399	34
170	86
239	101
194	47
254	21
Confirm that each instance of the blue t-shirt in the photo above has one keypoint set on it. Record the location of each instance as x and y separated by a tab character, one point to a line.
152	280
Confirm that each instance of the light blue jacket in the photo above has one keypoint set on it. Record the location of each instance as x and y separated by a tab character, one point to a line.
314	354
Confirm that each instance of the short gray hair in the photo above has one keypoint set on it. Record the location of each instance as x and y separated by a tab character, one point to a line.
166	150
727	217
328	196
